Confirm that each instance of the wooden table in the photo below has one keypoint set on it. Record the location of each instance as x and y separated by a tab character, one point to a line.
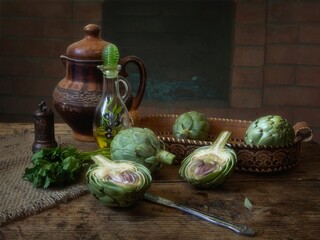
285	206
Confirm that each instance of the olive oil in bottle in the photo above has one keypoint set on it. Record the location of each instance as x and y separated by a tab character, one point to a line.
111	114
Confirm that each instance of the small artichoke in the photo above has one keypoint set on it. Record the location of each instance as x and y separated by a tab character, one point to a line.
209	166
118	183
271	130
192	125
140	145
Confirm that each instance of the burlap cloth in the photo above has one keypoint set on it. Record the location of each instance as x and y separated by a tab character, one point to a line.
18	198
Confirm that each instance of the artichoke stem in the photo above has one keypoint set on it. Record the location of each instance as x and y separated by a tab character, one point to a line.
166	157
221	141
101	161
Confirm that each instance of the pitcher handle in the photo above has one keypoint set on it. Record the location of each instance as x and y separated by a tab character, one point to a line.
143	78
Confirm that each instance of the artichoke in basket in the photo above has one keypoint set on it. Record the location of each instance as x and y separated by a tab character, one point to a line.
271	130
192	125
209	166
141	145
118	183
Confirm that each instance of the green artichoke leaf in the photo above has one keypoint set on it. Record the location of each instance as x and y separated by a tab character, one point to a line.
106	199
226	172
209	166
98	192
188	120
145	150
152	138
116	190
151	159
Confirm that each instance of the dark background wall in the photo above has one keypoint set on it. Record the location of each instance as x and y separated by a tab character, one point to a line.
187	50
275	60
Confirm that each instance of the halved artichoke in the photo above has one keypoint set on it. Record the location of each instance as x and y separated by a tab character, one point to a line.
118	183
270	130
191	125
140	145
209	166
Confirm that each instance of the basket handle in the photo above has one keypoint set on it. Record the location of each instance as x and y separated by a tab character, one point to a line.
303	132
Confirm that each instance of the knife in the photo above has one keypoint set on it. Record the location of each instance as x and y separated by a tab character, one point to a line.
240	229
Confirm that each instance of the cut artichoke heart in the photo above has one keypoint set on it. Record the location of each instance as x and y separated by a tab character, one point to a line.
209	166
201	166
121	174
125	178
118	183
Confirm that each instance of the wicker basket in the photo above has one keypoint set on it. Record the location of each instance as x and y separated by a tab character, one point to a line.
251	158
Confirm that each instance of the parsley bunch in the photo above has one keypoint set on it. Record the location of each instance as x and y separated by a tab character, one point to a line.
60	166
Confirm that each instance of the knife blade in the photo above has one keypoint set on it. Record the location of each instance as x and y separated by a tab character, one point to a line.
237	228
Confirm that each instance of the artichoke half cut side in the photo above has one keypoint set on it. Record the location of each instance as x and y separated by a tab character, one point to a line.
117	183
209	166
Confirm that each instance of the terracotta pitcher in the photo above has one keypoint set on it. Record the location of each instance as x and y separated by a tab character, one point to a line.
77	94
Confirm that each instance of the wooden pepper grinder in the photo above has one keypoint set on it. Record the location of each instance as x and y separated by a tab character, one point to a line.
43	128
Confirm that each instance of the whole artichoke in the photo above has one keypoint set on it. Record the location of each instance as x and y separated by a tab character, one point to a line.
140	145
271	130
209	166
118	183
192	125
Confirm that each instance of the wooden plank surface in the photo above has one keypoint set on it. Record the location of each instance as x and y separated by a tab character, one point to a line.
285	206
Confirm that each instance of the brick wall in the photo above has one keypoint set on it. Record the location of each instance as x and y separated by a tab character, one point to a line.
276	58
33	36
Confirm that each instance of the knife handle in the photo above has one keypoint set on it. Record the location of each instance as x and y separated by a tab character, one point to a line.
240	229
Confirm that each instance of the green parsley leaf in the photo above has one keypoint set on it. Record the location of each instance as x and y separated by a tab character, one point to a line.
58	167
